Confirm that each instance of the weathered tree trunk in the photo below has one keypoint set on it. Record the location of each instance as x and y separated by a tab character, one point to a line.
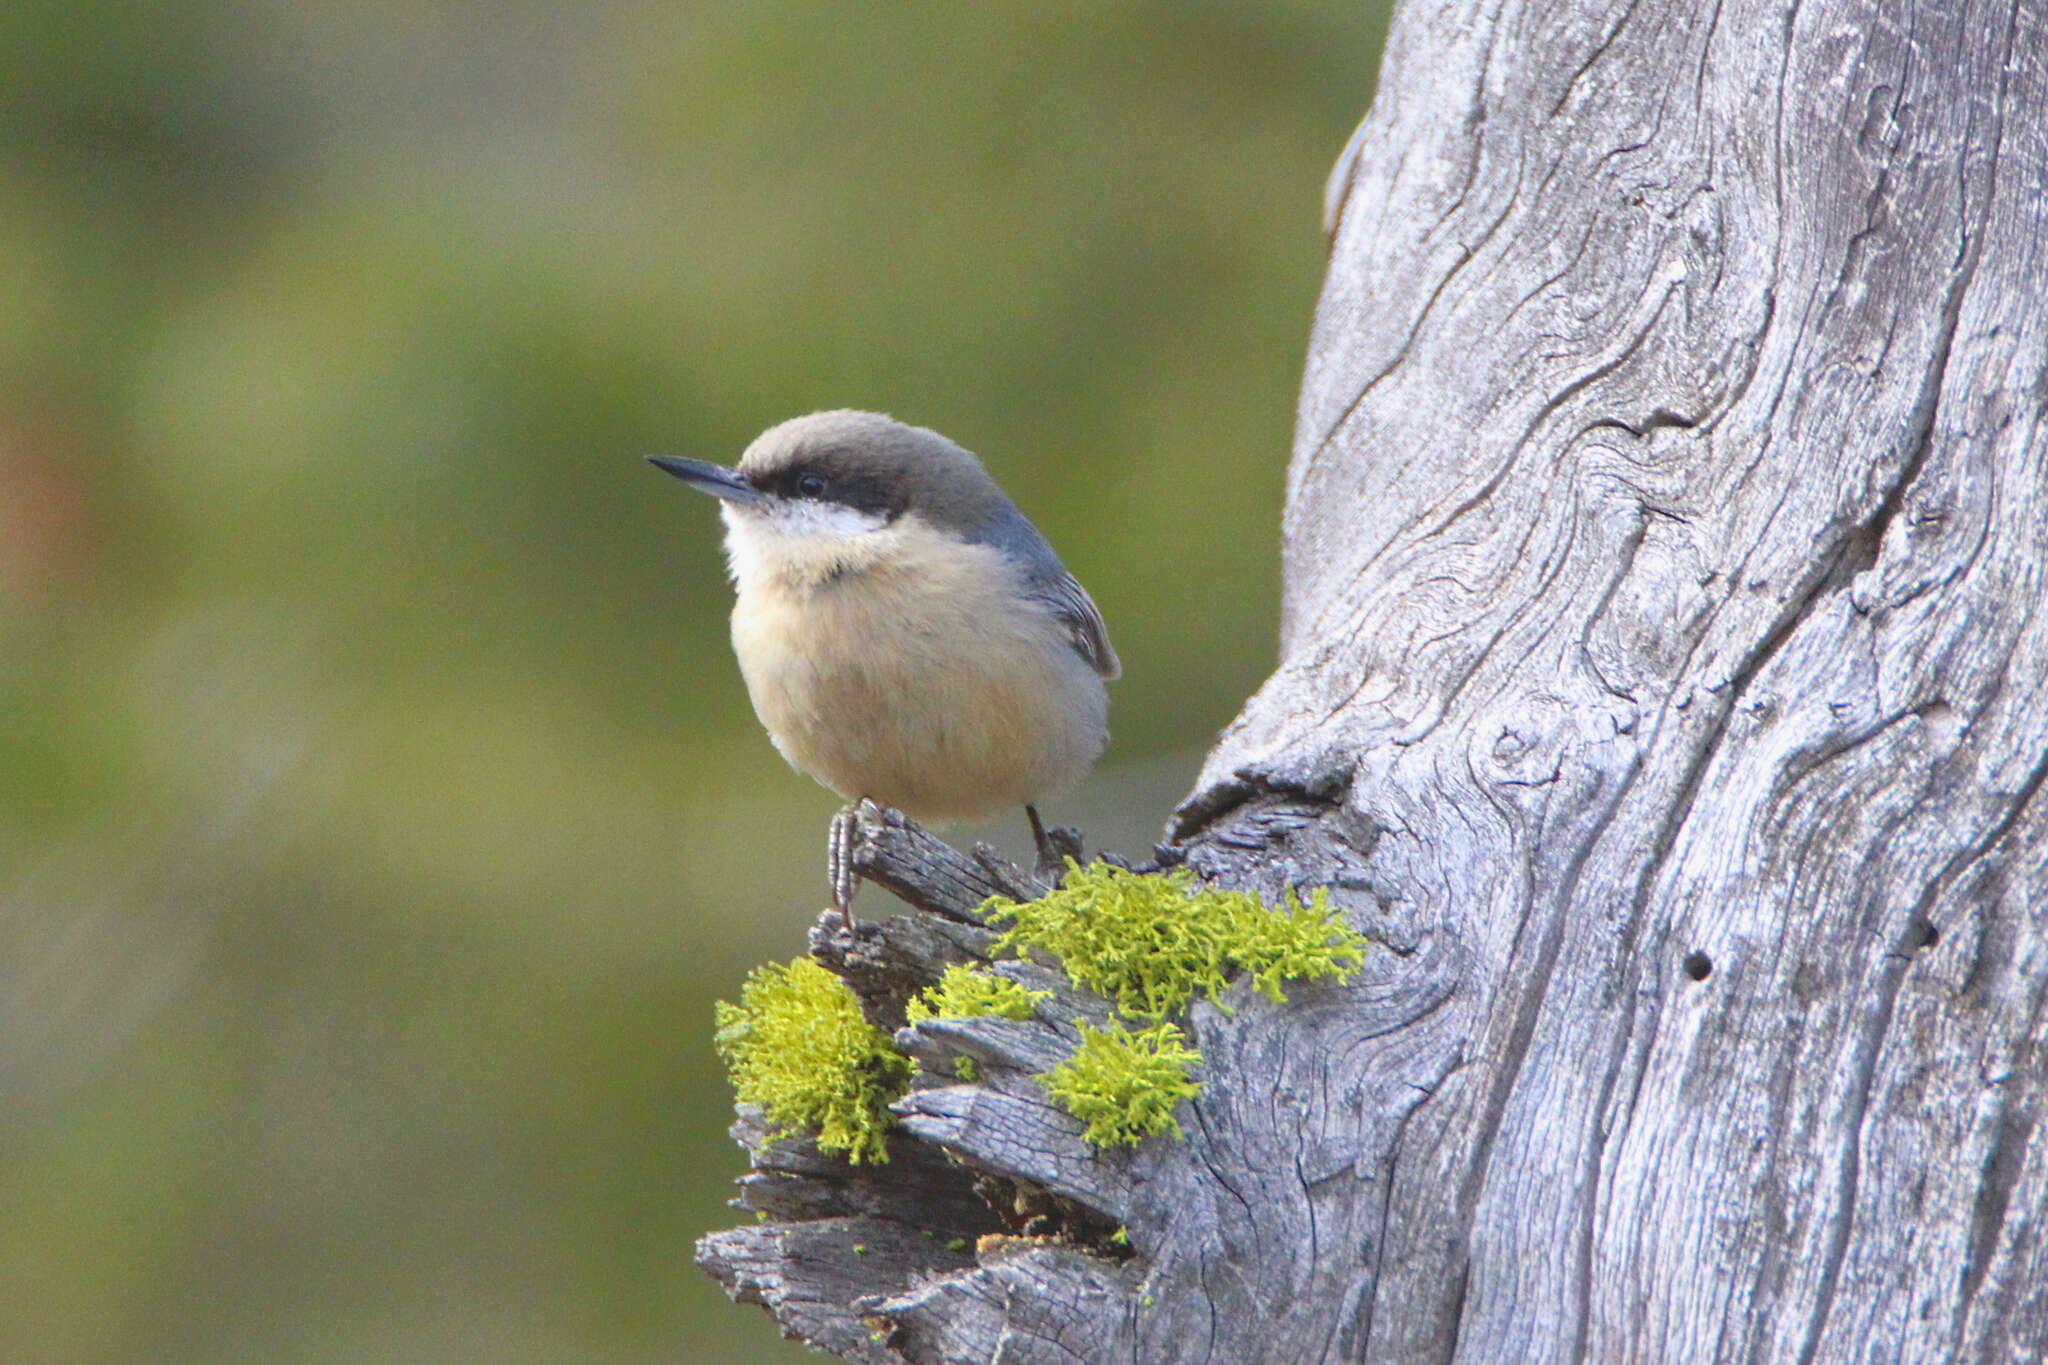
1664	678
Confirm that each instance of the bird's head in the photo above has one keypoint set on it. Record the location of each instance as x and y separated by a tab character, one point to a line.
839	490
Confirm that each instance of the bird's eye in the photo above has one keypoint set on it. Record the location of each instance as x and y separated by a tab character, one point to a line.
812	485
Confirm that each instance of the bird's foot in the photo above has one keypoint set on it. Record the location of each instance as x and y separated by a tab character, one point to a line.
1055	846
839	869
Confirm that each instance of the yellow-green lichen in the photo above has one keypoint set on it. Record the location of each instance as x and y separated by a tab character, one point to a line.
964	993
1151	942
798	1046
1122	1085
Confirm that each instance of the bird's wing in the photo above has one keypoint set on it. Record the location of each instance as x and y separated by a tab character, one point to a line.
1047	581
1076	610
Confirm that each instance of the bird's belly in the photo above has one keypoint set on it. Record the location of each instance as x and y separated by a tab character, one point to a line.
910	699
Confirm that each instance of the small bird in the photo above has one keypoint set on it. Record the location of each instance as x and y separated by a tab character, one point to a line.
907	636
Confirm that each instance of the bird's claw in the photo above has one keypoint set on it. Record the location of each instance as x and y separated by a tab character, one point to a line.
1055	846
839	869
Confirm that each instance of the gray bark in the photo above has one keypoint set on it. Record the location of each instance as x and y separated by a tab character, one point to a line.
1661	682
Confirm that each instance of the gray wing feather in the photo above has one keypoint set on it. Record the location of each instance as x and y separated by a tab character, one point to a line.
1077	611
1046	580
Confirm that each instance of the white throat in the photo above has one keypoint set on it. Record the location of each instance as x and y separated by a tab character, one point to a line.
801	542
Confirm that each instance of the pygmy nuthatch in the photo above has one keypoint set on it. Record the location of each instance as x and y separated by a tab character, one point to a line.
906	634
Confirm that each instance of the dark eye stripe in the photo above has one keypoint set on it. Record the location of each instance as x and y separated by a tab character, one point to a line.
857	488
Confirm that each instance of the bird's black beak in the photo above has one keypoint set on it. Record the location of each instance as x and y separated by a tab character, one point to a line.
714	479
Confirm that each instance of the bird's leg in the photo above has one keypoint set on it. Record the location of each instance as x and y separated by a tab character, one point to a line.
839	860
1051	857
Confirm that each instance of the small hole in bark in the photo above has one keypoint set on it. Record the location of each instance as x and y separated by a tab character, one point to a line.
1031	1211
1923	933
1698	965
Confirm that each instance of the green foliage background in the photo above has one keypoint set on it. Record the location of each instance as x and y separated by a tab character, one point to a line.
380	810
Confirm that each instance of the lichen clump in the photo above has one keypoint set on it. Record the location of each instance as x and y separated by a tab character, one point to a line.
797	1045
1151	942
1123	1086
964	993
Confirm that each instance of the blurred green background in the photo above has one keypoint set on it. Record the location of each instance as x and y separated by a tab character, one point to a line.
381	808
